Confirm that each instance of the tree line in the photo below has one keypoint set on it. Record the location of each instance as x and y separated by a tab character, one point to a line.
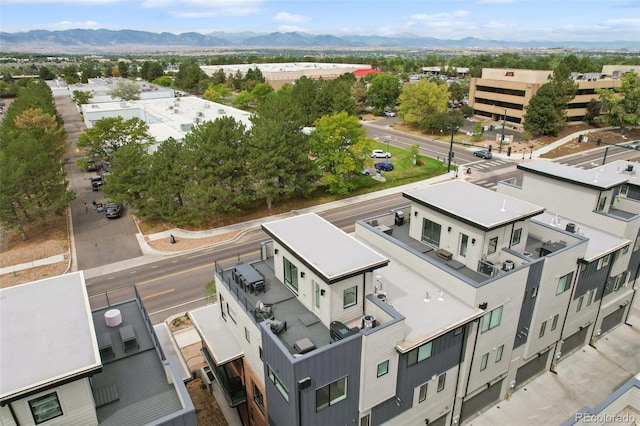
32	149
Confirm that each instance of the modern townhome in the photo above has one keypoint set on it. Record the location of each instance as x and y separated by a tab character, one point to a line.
62	363
503	93
427	314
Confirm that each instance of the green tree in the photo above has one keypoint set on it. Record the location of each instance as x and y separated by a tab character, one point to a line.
150	70
109	134
541	117
359	94
383	92
46	74
191	78
456	92
621	107
81	97
123	69
165	81
341	149
165	193
278	152
126	90
217	93
420	104
129	176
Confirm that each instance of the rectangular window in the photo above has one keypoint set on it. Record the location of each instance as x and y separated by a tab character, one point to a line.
316	293
624	190
554	323
491	320
602	203
534	292
564	283
619	281
441	381
222	308
420	353
350	297
431	233
517	235
45	407
232	314
458	331
484	361
257	397
422	395
499	352
579	307
278	384
590	298
625	249
290	275
606	260
543	328
383	368
493	245
331	394
247	335
464	243
636	244
365	420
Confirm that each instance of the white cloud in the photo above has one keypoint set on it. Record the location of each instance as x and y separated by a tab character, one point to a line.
289	18
291	29
61	2
205	9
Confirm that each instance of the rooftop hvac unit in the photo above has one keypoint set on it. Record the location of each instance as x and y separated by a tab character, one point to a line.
176	111
220	111
200	114
186	127
571	227
508	265
368	322
196	120
629	167
207	377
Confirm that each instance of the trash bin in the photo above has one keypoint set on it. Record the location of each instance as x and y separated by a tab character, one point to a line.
399	218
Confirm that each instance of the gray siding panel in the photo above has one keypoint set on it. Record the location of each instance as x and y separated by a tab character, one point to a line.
322	366
592	278
528	303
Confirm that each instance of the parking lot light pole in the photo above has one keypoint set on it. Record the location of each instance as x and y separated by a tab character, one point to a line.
504	119
453	126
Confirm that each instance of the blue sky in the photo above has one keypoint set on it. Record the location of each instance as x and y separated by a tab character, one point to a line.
522	20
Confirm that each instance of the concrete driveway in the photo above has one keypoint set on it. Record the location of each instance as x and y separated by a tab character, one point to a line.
98	241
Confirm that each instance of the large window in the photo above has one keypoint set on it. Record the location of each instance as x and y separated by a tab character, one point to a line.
257	397
420	353
564	283
350	297
290	275
331	394
45	407
517	235
493	245
491	320
431	232
464	243
279	385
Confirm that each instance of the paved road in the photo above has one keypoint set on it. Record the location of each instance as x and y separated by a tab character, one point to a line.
97	240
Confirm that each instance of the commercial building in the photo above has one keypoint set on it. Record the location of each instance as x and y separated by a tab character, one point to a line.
279	74
505	93
65	362
429	314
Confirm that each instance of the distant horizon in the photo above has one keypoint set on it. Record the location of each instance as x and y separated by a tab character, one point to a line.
500	20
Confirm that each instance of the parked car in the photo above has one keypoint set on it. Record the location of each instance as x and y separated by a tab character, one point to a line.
365	171
634	145
390	113
96	183
113	211
384	167
378	153
487	155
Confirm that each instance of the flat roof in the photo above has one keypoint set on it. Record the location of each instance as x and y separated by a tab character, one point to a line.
324	248
592	178
214	330
472	204
600	243
283	67
623	169
46	333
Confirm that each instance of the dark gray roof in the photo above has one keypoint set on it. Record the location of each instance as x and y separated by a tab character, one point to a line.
472	204
324	248
46	334
592	178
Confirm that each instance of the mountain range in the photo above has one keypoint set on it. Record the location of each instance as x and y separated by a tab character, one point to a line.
122	41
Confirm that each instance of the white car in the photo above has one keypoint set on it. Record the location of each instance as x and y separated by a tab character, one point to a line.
378	153
634	145
390	113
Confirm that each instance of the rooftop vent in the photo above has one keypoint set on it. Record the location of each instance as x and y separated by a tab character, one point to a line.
368	322
571	227
629	167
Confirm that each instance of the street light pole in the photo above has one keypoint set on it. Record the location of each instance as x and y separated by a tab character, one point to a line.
451	148
504	119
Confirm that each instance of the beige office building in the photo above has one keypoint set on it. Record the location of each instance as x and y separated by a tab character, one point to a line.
504	93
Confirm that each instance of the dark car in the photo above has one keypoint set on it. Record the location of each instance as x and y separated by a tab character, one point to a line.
96	183
384	167
113	211
484	154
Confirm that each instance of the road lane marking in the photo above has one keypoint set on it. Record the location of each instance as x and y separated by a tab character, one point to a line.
176	306
160	293
208	265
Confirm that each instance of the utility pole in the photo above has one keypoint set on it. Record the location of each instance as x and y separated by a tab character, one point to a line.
453	126
504	119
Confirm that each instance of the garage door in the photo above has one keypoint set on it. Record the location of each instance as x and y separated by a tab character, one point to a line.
573	342
531	369
478	403
612	319
442	421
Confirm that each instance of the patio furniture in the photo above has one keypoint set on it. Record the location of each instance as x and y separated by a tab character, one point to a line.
128	337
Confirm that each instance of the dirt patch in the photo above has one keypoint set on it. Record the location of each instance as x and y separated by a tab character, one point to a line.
190	243
207	410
